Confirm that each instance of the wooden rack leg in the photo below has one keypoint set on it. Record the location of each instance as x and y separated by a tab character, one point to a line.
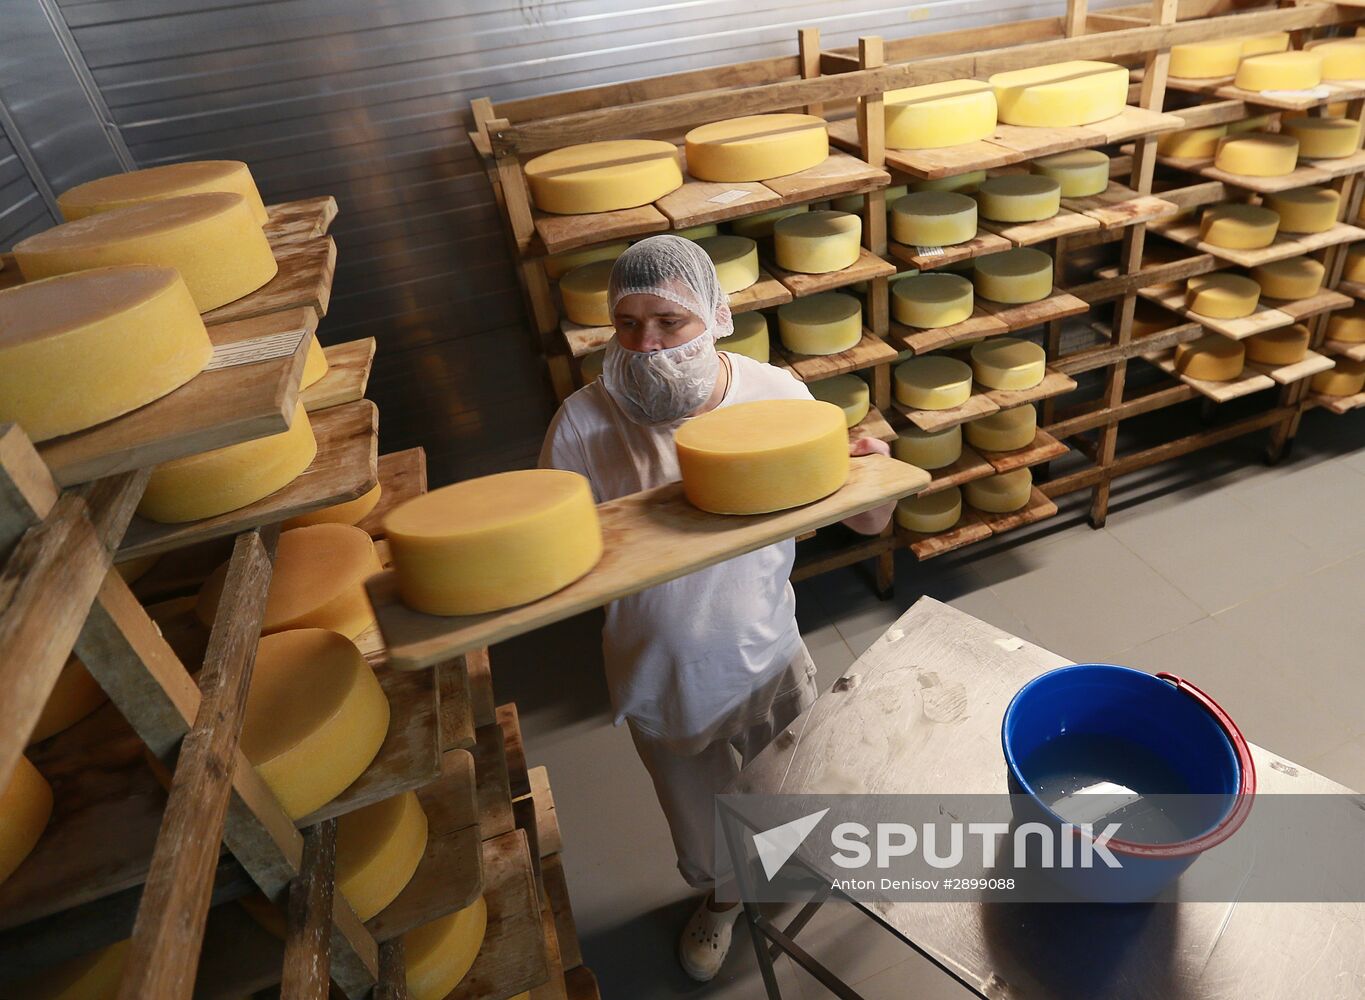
808	43
393	982
307	946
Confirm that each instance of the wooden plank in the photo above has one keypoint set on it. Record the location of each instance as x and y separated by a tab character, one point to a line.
968	529
393	980
548	836
1337	404
1305	174
1354	288
977	405
870	350
1345	349
1223	87
839	173
553	988
865	268
764	293
927	258
969	465
492	782
1113	285
27	492
584	340
657	536
1284	245
692	204
481	701
1064	223
1038	507
1057	305
568	232
1054	383
1119	205
298	221
1220	392
308	944
1311	364
513	749
457	716
1262	319
348	374
402	476
304	281
581	984
566	928
1043	448
1326	300
874	425
981	323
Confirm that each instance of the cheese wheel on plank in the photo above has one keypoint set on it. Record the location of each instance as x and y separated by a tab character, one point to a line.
933	219
211	239
698	232
603	176
315	717
1014	276
817	242
822	324
1258	154
225	479
1280	71
562	263
378	849
1342	58
1295	278
1261	44
25	806
314	364
848	392
1305	210
169	181
1063	94
1019	198
1191	143
1221	295
75	695
436	956
95	975
1001	493
735	259
933	382
750	337
928	449
939	114
1206	60
1334	109
1324	138
756	147
928	301
348	512
1347	325
1355	263
1008	363
1213	358
932	513
84	348
1080	172
1286	346
760	226
754	458
1236	226
584	293
1346	379
966	182
1007	430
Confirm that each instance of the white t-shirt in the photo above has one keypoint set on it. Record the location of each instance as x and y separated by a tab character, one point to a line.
683	656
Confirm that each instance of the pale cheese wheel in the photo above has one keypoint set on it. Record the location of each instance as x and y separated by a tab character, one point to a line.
750	337
1342	58
1006	430
856	202
933	382
590	367
584	293
1192	143
928	449
25	806
1355	263
698	232
1063	94
1348	325
1256	123
347	512
1237	226
1280	71
735	259
1221	295
1258	154
378	848
211	239
314	364
818	242
1206	60
1305	210
169	181
928	301
603	176
1080	172
1212	358
939	114
756	147
225	479
848	392
932	513
436	956
754	458
562	263
1008	363
1346	379
1002	493
965	183
1295	278
760	226
1019	198
95	975
933	219
1014	276
1324	138
318	582
84	348
826	323
1286	346
75	695
1261	44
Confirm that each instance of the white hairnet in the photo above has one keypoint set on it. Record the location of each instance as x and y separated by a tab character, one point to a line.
675	269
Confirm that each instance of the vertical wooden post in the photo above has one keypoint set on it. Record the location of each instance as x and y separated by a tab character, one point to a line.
515	194
1076	12
393	982
308	944
808	43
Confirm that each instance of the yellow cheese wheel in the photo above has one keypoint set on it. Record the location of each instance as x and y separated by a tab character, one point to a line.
965	183
349	512
314	364
1280	71
211	239
929	514
1001	493
1019	198
1206	60
93	976
750	337
315	717
1221	295
75	695
1014	276
848	392
933	218
1346	379
169	181
378	849
562	263
84	348
590	367
439	954
215	482
1261	44
753	458
1080	172
756	147
318	582
939	114
928	449
826	323
1192	143
493	542
933	382
698	232
1342	58
1347	325
1324	138
735	259
855	202
932	300
1355	263
1008	363
760	226
1285	346
25	806
1258	154
817	242
1295	278
1069	93
584	293
1305	210
603	176
1237	226
1213	358
1006	430
1334	109
133	570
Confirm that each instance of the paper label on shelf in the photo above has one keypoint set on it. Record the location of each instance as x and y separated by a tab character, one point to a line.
729	197
249	352
929	251
1317	93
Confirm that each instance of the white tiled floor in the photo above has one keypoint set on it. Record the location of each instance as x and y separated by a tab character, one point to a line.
1247	579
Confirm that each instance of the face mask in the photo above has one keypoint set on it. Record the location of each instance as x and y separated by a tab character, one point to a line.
659	387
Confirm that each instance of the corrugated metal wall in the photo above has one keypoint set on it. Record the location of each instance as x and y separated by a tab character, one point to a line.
365	99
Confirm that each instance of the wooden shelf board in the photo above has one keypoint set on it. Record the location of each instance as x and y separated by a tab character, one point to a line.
457	713
984	401
1119	205
518	780
299	221
345	467
874	425
969	465
1058	305
985	242
557	895
1338	404
969	529
214	409
548	837
839	174
1039	506
870	350
1044	448
1352	288
583	340
691	204
1326	300
1222	87
1054	383
581	984
980	324
304	280
1284	245
1220	392
402	476
559	233
1064	223
654	536
1305	174
865	268
348	374
764	293
1312	363
1345	349
1262	319
492	781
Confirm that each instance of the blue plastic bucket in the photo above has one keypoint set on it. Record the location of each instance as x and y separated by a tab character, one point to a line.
1092	708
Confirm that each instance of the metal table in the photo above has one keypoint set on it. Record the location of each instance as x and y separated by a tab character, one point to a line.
920	712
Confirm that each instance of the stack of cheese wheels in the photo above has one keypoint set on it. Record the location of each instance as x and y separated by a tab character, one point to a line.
1305	210
495	542
735	259
1222	295
933	382
1355	263
378	849
1236	226
84	348
966	182
826	323
750	337
760	226
817	242
1069	93
213	240
1192	143
1324	138
933	218
315	364
1008	363
1014	276
93	976
1258	154
224	479
25	807
1212	358
848	392
1280	71
1080	172
1348	325
754	458
318	582
590	367
584	293
1286	346
928	301
315	717
756	147
939	114
1019	198
73	697
439	954
562	263
929	449
1006	430
931	513
1295	278
1002	493
1261	44
1206	60
169	181
1347	378
1342	58
347	512
603	176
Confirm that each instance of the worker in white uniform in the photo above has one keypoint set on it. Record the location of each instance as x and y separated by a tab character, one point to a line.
708	668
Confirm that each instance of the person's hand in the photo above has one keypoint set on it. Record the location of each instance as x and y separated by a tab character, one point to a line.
870	522
869	446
